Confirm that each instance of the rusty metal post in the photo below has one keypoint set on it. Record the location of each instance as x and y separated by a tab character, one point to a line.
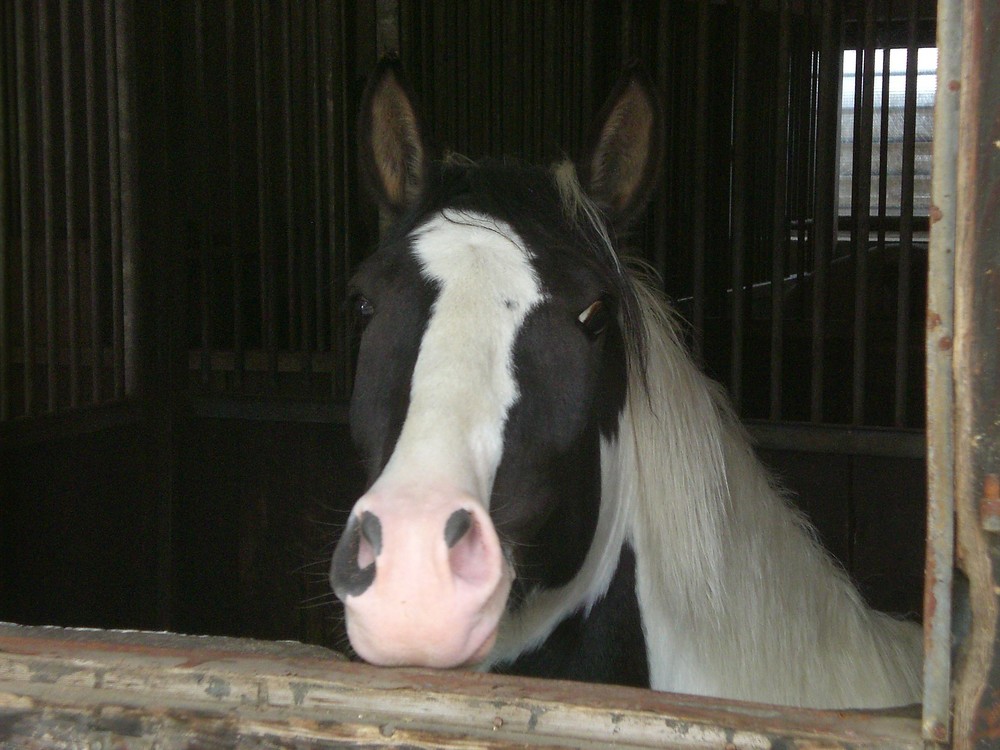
977	372
940	406
6	282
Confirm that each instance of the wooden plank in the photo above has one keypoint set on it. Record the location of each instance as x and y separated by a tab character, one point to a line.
60	687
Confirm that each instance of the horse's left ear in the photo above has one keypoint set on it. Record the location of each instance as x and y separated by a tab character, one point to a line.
622	164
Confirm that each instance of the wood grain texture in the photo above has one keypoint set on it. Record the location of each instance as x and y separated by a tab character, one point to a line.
60	688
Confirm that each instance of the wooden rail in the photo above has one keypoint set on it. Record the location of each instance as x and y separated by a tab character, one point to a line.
64	688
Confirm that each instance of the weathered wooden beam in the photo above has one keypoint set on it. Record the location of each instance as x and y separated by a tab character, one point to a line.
63	688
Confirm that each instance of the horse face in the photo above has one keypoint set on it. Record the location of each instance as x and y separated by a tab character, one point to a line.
491	365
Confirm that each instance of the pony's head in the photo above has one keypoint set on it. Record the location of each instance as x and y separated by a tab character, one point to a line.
498	331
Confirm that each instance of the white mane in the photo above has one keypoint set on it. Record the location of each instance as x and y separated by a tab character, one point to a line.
738	600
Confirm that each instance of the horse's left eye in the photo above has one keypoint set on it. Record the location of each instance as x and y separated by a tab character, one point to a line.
595	318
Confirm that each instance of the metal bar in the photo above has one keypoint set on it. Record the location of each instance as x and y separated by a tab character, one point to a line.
299	45
235	228
464	91
117	300
48	204
813	147
698	207
938	572
825	207
203	233
738	210
6	283
526	82
289	183
315	134
661	243
72	271
883	145
268	322
346	186
125	65
906	222
801	437
779	229
24	170
93	220
976	365
329	36
862	211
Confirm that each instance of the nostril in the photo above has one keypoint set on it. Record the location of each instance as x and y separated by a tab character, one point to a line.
352	569
468	555
371	532
458	526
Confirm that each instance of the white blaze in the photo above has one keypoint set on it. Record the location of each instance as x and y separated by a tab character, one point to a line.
463	384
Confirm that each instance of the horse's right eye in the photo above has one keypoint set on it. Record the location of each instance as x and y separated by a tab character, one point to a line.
363	307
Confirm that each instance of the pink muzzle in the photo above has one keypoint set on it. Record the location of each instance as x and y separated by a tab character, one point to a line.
423	578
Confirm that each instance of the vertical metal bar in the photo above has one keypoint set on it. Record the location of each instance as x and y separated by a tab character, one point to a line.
461	41
976	365
299	46
825	207
526	75
93	226
124	68
48	204
806	160
117	301
660	243
477	77
940	385
587	68
329	50
289	186
5	226
24	171
906	222
203	232
700	189
496	108
883	150
269	337
862	212
739	206
236	234
346	145
779	238
315	134
72	272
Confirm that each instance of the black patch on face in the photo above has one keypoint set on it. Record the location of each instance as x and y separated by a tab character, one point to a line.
401	299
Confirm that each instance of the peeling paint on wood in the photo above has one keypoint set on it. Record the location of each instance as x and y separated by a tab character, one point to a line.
60	689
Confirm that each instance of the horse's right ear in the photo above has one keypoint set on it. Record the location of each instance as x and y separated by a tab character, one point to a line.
393	146
621	167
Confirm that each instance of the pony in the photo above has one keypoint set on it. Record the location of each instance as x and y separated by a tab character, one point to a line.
555	489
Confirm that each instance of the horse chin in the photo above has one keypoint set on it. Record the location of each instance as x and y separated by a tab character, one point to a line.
415	633
470	654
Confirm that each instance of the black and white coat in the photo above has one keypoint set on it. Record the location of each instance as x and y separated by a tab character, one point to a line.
556	490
